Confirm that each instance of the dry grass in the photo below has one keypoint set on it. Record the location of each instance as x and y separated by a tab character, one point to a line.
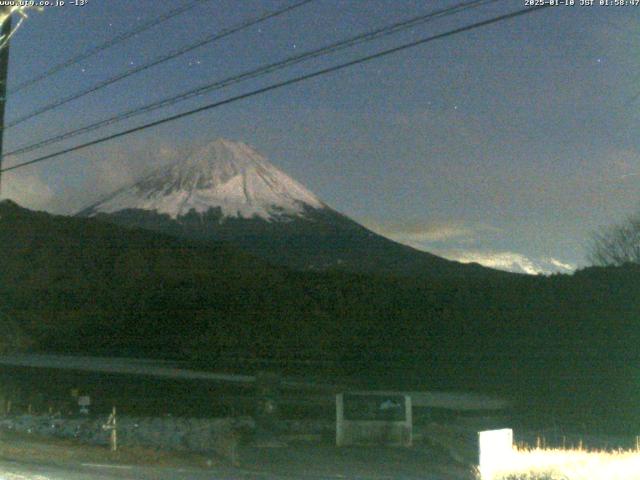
563	464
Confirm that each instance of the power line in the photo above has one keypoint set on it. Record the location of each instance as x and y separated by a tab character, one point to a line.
260	71
158	61
284	83
106	45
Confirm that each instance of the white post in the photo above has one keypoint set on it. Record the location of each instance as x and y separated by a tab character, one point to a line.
112	426
339	419
495	449
114	432
408	420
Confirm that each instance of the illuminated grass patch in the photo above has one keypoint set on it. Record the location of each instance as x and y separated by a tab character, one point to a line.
561	464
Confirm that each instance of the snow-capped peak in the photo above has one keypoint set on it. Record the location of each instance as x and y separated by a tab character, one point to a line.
228	175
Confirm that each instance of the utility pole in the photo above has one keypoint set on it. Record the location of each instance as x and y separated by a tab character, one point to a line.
4	68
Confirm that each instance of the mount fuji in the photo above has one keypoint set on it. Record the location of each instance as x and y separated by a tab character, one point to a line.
228	192
227	176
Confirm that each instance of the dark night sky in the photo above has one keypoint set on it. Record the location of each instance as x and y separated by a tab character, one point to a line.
507	144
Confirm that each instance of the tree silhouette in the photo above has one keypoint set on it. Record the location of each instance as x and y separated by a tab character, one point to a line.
618	244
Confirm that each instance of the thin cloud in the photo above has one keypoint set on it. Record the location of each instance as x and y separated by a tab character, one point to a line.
27	189
420	233
627	175
102	171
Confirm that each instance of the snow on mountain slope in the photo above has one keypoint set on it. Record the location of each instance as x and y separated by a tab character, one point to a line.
225	174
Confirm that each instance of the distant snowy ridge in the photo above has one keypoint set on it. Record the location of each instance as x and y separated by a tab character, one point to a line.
511	262
228	175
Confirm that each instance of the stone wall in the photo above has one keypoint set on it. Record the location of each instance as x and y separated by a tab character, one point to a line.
204	435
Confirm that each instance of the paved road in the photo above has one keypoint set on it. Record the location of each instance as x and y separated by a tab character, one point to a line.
10	470
23	471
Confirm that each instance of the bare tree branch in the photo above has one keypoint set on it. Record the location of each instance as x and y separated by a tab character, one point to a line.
617	244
